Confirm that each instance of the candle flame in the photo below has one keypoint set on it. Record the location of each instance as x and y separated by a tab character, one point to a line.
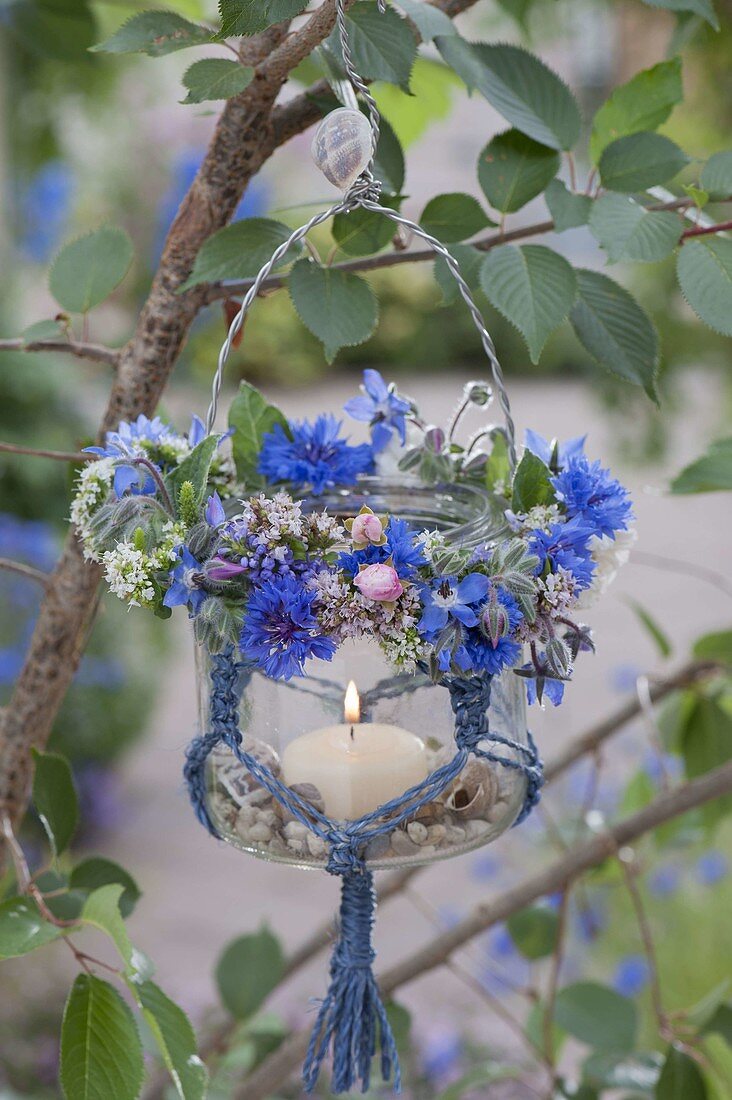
352	703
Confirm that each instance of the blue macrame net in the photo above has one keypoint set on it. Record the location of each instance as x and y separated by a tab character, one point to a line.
352	1020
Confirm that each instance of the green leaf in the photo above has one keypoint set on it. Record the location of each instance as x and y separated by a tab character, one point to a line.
155	33
640	161
706	743
101	1053
433	88
643	103
362	232
597	1015
714	647
703	8
244	17
87	270
622	1071
338	307
101	909
247	972
567	209
42	330
251	417
97	871
513	169
428	20
704	269
709	474
639	791
534	931
498	468
659	636
22	928
54	796
469	260
532	286
520	86
195	468
613	328
680	1078
389	160
531	484
215	78
716	176
453	217
175	1038
627	231
383	45
239	251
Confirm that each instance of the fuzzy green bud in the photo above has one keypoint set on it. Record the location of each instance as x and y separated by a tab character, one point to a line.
138	539
188	509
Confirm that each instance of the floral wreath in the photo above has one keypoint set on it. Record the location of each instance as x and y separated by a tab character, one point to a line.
174	521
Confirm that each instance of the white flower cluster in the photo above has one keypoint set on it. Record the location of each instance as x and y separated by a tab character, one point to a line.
344	612
433	543
610	555
130	571
92	489
279	520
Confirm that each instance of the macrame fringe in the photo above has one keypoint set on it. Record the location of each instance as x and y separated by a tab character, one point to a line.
352	1019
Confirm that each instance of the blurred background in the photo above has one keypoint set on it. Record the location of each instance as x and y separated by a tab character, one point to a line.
88	138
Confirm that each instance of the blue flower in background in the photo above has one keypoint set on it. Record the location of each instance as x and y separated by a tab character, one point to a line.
313	455
186	587
280	630
442	1055
711	868
588	490
664	881
485	867
589	920
631	975
380	407
543	448
45	205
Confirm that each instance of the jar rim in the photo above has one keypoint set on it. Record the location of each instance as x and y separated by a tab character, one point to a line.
467	515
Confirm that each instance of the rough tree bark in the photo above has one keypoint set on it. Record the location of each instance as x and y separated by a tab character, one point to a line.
249	130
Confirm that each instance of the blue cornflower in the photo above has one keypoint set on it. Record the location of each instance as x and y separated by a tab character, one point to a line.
450	598
186	587
589	491
566	545
631	976
491	658
711	868
313	455
543	448
280	630
381	407
407	555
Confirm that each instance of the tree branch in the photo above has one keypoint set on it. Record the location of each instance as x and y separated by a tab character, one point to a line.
24	570
33	452
97	353
275	1070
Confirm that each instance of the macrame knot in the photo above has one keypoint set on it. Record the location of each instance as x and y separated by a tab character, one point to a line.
345	853
470	697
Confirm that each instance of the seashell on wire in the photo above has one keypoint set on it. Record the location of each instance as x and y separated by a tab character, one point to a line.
341	147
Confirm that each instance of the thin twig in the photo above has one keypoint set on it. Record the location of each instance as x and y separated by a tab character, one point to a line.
34	452
703	230
23	570
96	353
553	983
683	568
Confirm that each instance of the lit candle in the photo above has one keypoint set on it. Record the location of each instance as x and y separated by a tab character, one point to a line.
356	766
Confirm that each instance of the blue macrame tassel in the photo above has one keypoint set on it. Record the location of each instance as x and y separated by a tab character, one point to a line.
352	1012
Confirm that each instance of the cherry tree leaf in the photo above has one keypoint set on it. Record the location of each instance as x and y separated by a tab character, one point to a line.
628	231
101	1052
643	103
338	307
513	169
704	269
155	33
639	161
215	78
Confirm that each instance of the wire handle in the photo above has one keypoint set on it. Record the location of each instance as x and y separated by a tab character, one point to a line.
364	193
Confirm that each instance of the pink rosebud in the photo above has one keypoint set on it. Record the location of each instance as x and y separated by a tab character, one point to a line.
367	528
379	582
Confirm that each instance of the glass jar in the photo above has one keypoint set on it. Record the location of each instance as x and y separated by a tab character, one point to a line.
401	728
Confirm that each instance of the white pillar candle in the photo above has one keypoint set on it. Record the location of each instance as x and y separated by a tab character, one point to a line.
356	766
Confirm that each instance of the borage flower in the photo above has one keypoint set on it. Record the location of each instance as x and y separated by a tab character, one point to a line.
449	598
313	455
381	407
281	631
187	577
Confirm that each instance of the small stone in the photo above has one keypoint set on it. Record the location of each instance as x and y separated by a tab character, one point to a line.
436	834
258	797
497	812
475	828
377	847
269	817
297	844
295	830
277	846
402	845
316	845
455	834
417	832
430	813
260	832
